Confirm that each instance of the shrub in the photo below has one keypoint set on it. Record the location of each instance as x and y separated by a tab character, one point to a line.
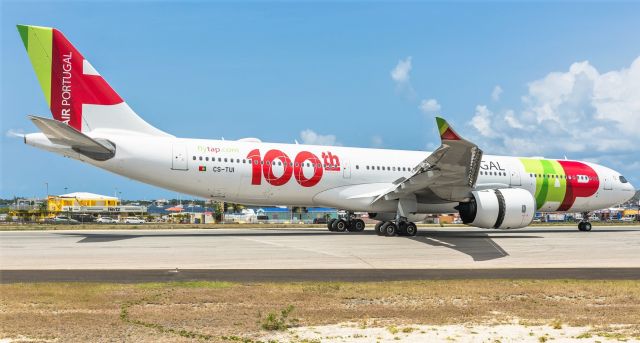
274	323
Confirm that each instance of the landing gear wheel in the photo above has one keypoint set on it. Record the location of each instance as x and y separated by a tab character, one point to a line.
390	229
411	229
330	224
340	225
378	228
402	229
584	226
383	228
357	225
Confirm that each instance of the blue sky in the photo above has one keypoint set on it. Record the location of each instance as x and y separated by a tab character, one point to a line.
525	79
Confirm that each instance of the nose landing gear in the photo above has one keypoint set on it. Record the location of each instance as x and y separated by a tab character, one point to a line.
584	225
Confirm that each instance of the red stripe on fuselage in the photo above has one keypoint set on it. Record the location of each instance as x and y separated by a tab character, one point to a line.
575	187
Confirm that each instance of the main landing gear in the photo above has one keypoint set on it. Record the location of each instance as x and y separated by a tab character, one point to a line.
390	228
584	225
348	223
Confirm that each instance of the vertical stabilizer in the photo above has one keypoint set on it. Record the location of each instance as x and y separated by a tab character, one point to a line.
75	92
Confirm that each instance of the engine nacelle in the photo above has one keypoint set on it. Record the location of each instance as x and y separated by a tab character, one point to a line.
388	216
503	208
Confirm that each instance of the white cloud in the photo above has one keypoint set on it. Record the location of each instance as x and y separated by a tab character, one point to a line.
309	136
376	141
512	121
429	106
481	121
580	111
400	74
495	94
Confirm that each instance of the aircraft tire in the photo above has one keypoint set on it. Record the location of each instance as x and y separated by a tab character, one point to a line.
351	226
587	226
390	229
358	225
330	224
411	229
378	228
402	228
340	225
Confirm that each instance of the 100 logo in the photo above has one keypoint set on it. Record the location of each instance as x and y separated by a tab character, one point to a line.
263	167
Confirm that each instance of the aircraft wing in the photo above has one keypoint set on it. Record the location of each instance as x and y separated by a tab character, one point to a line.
62	134
449	173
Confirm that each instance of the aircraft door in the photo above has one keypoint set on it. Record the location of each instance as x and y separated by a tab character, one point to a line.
179	158
515	179
607	183
346	170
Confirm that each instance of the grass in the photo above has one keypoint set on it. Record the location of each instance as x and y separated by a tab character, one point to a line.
224	311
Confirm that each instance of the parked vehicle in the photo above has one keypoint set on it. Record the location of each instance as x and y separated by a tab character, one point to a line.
61	220
320	220
133	220
594	219
628	219
106	220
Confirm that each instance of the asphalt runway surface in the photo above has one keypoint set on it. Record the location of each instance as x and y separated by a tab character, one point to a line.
313	254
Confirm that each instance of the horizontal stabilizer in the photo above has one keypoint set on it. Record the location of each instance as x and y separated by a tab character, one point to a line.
63	134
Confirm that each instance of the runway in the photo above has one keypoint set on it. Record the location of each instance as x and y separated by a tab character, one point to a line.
317	254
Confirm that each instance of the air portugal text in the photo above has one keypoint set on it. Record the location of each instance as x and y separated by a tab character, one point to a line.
262	167
65	98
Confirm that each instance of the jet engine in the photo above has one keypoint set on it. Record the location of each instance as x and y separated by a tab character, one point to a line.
503	208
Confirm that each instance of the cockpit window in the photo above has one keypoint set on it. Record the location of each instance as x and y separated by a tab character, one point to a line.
622	179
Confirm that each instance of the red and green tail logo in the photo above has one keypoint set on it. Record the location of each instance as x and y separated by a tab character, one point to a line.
67	79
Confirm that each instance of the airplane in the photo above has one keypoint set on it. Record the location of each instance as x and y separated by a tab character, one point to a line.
93	124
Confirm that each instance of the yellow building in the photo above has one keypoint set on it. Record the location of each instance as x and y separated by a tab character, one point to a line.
73	202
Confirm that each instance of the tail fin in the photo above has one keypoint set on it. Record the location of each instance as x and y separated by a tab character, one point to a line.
75	92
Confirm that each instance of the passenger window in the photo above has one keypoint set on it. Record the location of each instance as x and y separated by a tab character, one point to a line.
206	158
219	159
357	167
194	158
200	158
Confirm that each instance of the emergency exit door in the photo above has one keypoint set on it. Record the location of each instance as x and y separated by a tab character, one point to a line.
179	158
515	179
346	170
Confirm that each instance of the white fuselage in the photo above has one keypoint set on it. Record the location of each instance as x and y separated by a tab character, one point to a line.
251	172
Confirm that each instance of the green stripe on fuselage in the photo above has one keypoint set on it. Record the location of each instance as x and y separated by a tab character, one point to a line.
551	185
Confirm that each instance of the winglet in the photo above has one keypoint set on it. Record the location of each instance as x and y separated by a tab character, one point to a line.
446	131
